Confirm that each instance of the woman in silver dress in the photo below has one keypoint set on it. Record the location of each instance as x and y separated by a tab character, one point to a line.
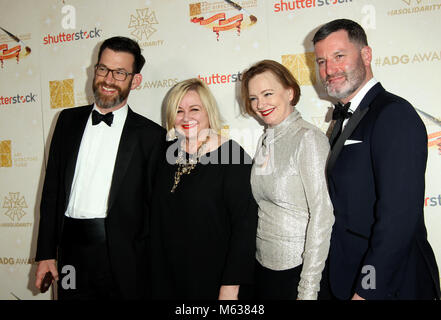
289	185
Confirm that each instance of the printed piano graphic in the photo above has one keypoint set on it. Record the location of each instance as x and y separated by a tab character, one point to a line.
16	51
219	22
434	138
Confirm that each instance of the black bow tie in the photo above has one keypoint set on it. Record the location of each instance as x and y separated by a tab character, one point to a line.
98	117
341	111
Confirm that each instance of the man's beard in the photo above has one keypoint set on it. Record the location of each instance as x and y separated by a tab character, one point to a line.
107	102
354	79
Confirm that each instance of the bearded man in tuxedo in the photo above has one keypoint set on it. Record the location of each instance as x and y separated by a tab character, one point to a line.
94	213
376	168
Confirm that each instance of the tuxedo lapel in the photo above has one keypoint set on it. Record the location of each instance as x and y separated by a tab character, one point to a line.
352	124
350	127
335	131
78	122
125	151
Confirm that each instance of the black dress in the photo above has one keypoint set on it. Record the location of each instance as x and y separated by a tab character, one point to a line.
203	235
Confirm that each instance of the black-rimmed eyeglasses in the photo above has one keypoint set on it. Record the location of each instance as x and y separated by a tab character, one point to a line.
119	75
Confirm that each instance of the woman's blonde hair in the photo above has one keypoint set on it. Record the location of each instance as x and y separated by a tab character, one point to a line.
178	91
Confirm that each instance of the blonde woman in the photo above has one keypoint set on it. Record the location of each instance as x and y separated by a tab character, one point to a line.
204	216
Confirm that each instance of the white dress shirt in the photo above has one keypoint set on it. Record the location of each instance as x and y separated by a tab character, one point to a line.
355	101
94	168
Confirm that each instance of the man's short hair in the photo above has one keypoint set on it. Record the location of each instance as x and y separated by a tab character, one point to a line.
355	32
124	44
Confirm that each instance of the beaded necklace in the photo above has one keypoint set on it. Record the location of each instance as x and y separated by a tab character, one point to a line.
185	167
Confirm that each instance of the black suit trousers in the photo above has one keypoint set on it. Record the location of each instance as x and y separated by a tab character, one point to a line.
83	263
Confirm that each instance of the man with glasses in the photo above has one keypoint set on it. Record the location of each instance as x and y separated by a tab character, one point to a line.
94	210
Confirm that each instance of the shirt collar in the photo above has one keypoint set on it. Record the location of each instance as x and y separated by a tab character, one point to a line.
355	101
273	133
293	116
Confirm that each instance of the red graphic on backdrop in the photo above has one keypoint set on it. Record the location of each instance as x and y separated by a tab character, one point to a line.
434	138
223	25
14	52
207	14
6	53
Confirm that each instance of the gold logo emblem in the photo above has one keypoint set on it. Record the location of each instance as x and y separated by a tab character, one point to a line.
143	23
14	205
302	66
225	131
5	153
195	9
62	93
409	1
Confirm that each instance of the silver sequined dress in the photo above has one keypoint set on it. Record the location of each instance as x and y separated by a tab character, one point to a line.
295	211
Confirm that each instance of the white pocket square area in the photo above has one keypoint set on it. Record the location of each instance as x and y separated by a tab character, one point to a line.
347	142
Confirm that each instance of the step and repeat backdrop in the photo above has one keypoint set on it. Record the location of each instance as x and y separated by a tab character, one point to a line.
48	49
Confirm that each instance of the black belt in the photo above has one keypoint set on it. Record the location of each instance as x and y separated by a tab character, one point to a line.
84	231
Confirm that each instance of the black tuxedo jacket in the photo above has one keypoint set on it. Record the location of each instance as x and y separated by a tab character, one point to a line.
127	223
376	169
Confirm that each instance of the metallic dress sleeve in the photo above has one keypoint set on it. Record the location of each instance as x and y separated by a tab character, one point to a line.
312	157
